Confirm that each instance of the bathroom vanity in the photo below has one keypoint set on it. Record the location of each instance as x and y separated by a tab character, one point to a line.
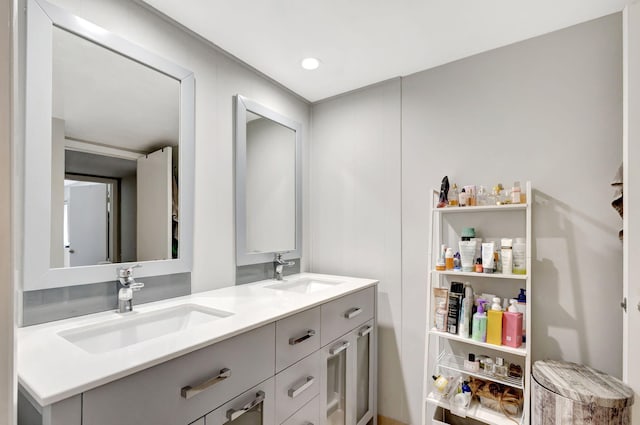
296	352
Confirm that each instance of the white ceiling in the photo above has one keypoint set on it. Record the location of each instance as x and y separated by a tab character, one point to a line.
361	42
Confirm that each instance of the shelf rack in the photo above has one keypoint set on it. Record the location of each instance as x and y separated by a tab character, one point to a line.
520	351
477	411
456	363
481	275
446	224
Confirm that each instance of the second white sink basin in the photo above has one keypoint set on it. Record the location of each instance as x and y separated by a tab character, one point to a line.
134	328
304	285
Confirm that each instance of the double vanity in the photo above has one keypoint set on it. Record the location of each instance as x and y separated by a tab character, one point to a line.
296	352
103	192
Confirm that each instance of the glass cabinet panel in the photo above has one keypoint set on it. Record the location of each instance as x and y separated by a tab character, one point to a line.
362	373
336	385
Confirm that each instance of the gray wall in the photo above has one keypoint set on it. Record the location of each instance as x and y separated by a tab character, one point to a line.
7	378
218	78
355	211
546	110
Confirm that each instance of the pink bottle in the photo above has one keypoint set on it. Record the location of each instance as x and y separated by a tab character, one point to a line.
512	328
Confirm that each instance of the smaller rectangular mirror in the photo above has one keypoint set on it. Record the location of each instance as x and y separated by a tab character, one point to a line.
268	184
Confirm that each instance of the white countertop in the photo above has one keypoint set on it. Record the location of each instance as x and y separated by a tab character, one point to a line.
50	368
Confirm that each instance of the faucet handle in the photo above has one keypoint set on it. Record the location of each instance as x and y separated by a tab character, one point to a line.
127	271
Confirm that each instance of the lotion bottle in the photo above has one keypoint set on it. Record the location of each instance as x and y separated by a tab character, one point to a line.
465	313
494	323
479	332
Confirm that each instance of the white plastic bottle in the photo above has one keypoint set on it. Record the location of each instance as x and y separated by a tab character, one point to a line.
519	256
464	330
506	256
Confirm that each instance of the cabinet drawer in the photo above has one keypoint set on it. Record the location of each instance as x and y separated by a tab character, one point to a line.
297	337
296	385
342	315
309	414
254	407
157	395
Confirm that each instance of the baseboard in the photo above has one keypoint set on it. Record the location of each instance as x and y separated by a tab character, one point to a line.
383	420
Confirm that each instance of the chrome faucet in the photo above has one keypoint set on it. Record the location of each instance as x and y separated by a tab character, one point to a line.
129	285
278	265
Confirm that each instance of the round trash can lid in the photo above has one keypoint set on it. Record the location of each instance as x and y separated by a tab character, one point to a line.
582	383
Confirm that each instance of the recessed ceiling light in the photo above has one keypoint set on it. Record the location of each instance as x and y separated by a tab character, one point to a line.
310	63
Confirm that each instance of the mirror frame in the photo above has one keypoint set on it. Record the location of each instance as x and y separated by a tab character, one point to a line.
244	105
37	272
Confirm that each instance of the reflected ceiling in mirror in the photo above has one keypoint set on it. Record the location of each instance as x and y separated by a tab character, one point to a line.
108	99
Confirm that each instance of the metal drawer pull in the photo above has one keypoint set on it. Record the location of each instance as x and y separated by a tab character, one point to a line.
352	313
365	330
189	391
343	346
306	336
233	414
295	392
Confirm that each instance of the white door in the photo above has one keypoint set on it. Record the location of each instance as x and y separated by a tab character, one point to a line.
87	223
631	155
154	202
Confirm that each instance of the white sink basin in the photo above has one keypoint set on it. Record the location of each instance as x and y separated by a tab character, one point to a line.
134	328
304	285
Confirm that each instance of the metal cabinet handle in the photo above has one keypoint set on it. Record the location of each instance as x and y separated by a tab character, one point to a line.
295	392
338	348
189	391
233	414
365	330
306	336
350	314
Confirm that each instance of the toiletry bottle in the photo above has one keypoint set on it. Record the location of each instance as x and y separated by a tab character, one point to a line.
500	369
488	366
512	326
440	383
481	197
506	256
464	329
441	316
448	259
462	199
453	196
472	365
471	195
515	193
478	268
479	331
519	251
522	308
440	262
457	263
494	323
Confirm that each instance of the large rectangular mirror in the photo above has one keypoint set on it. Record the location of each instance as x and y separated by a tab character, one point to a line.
109	155
268	184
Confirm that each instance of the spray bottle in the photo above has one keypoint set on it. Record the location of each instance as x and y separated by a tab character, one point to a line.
479	331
